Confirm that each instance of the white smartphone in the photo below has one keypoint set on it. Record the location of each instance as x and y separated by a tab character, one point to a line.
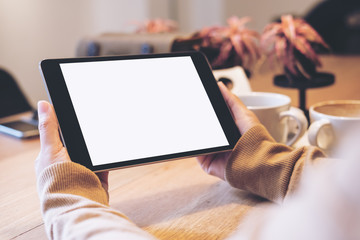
19	129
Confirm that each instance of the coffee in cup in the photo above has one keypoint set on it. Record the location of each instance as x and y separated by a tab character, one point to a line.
275	113
330	120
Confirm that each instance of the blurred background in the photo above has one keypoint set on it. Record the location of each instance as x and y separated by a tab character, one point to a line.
38	29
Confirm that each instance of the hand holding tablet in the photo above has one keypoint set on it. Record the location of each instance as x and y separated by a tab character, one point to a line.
122	111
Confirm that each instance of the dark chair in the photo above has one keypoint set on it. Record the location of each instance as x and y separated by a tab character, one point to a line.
12	99
338	22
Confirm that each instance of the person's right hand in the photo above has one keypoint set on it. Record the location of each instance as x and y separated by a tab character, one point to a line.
214	164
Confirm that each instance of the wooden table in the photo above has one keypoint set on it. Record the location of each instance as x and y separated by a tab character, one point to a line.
347	81
173	200
167	199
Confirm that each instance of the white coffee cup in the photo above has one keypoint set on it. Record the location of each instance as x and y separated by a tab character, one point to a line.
330	120
276	114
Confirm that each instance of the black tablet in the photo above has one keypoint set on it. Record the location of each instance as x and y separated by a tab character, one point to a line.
123	111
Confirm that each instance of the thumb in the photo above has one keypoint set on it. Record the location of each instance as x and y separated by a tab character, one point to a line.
48	126
235	104
244	118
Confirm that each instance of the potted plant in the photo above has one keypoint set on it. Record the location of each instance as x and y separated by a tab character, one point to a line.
225	46
157	25
150	30
294	43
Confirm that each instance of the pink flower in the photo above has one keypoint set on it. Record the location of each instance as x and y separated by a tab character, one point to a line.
157	26
281	39
233	38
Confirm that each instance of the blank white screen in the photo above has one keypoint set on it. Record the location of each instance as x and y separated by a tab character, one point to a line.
132	109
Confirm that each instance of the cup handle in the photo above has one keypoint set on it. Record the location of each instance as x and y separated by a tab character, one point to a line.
301	121
315	129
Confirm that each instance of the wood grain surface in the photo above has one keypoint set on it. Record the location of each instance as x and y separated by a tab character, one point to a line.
172	200
347	81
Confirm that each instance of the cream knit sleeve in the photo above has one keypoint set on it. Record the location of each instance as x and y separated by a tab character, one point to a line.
261	166
75	206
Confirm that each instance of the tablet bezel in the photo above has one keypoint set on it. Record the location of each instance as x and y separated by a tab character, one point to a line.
70	129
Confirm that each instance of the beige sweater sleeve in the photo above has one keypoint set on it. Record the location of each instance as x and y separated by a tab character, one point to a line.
75	206
261	166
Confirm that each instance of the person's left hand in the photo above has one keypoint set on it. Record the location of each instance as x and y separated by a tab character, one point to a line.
52	150
215	164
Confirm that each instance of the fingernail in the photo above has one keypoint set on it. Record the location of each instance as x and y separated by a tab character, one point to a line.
221	84
43	108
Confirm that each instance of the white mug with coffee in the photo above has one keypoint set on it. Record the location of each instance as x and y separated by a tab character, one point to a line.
274	112
330	120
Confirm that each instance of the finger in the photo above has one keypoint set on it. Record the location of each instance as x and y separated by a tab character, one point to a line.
243	117
230	98
48	126
235	104
103	177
